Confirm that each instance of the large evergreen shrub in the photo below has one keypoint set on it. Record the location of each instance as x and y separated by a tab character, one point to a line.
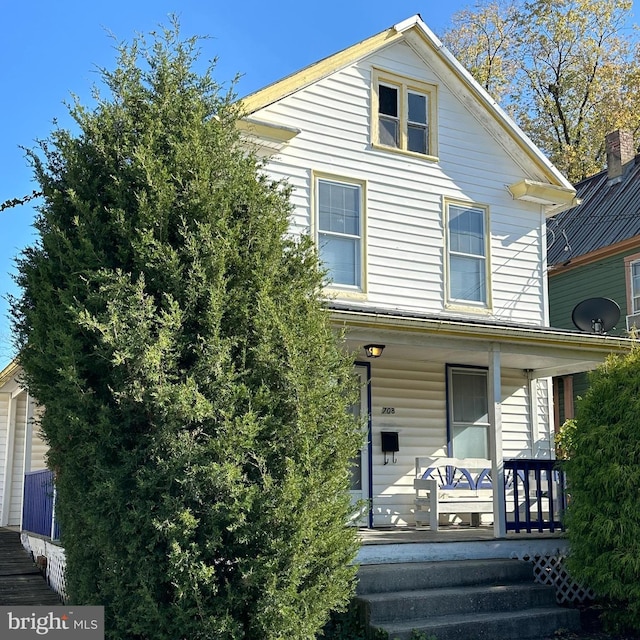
195	394
603	475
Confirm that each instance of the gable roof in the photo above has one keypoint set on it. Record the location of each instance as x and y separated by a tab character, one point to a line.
426	44
9	372
609	214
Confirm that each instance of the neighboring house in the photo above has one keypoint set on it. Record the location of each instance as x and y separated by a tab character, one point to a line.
594	252
21	448
428	206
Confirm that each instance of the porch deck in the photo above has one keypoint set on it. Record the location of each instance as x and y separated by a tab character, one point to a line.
407	544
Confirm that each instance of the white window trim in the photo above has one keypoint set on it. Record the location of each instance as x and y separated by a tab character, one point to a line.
629	261
457	303
343	290
405	85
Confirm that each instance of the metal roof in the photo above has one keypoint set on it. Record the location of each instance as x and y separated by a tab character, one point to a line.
609	213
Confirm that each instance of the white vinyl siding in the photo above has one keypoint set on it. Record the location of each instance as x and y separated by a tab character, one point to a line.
405	233
36	451
404	242
416	391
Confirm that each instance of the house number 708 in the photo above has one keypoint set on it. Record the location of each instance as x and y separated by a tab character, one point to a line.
388	409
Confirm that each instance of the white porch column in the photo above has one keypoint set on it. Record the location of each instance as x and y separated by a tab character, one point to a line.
26	454
28	435
495	442
534	414
7	480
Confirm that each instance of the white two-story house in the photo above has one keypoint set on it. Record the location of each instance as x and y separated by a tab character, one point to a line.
428	206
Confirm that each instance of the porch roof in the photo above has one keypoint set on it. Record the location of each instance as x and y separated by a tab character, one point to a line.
542	351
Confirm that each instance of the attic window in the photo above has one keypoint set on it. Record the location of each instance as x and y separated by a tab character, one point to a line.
403	115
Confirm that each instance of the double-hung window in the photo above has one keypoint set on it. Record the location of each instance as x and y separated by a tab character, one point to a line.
467	254
403	114
468	412
632	276
635	286
339	219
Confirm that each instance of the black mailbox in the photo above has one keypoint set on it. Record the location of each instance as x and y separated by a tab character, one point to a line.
389	444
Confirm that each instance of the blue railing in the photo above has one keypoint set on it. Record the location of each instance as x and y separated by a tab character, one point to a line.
38	511
535	495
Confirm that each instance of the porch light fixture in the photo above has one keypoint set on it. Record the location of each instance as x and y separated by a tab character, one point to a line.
373	350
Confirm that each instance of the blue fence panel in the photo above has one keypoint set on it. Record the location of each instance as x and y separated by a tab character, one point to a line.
534	494
38	505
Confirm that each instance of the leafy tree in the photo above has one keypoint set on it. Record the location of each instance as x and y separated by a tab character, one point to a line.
563	69
603	474
482	39
196	395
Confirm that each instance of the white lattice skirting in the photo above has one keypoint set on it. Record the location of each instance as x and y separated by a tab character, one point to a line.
56	562
549	569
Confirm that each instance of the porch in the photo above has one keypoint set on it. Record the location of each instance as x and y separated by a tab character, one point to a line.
444	387
408	544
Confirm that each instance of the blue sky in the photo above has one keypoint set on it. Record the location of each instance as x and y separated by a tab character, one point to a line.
51	50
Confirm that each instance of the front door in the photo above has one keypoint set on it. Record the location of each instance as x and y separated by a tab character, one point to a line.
361	469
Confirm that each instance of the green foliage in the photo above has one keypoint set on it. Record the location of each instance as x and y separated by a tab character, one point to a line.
603	475
565	439
14	202
196	395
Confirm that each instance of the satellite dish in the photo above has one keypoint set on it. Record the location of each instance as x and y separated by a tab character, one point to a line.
596	315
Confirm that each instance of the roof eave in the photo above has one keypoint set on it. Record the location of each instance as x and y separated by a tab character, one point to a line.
555	198
402	30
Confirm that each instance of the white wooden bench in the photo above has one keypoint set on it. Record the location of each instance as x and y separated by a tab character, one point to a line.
454	486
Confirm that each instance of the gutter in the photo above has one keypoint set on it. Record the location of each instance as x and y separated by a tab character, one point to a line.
480	331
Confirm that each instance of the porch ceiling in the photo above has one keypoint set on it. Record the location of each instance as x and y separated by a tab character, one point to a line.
544	351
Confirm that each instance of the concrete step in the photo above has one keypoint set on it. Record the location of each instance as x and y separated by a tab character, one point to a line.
410	576
411	605
531	624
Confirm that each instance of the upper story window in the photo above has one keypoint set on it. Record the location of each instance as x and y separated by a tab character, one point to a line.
632	281
467	254
403	115
339	222
635	286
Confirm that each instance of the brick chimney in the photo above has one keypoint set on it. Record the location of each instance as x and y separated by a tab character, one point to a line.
620	151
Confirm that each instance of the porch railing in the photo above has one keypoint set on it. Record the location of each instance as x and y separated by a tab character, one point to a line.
38	510
535	495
